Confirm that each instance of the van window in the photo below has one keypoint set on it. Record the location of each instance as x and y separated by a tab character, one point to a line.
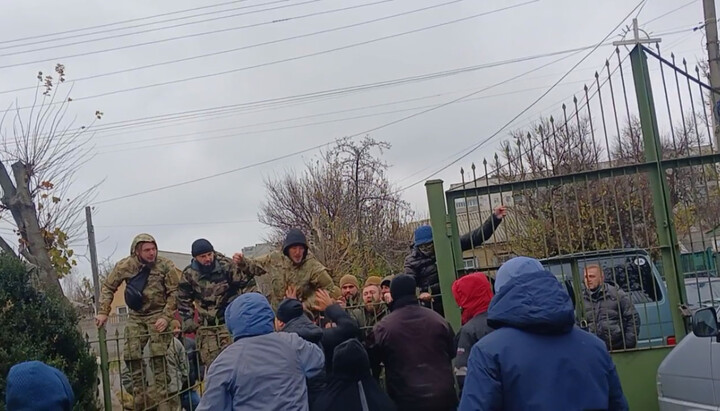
630	272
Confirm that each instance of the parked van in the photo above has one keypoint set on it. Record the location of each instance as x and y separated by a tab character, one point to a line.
689	376
631	270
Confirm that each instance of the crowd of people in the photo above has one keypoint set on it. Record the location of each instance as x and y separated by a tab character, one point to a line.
383	344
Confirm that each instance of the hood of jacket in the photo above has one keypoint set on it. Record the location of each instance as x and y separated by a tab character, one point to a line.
350	361
33	385
515	267
305	328
249	315
141	238
472	293
293	237
535	302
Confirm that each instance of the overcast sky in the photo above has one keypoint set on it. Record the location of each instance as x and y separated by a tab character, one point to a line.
225	209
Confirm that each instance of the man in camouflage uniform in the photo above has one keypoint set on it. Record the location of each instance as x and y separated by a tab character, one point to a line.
151	286
212	281
294	268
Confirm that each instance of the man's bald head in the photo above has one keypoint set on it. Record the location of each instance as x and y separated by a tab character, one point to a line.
594	276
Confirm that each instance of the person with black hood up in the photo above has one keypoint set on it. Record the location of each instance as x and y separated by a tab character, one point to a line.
210	283
352	387
417	346
537	358
294	267
421	262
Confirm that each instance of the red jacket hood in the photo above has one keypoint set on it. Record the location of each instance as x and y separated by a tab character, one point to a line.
472	293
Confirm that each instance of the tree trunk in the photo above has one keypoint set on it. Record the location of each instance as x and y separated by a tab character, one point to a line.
18	199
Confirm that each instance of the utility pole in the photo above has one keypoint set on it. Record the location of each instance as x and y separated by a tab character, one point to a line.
93	256
102	336
713	51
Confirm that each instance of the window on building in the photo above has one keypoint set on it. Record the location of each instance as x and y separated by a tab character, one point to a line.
122	310
459	203
470	263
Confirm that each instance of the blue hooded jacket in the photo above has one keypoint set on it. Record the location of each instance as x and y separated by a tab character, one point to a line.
262	369
537	359
34	385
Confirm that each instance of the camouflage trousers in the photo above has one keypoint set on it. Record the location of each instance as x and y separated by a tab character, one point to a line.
211	341
139	331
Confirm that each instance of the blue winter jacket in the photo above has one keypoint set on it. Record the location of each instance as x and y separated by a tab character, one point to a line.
262	370
537	359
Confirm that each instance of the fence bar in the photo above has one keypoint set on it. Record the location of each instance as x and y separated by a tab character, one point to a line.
104	368
658	184
442	238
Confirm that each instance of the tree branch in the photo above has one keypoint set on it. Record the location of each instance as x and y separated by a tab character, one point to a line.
6	247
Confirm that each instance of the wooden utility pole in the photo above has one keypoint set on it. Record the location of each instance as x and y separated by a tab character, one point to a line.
93	256
713	51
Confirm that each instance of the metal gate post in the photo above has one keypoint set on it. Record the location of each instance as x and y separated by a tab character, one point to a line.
667	238
104	368
442	238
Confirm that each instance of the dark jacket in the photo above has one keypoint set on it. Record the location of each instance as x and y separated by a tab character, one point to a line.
417	346
352	383
537	359
611	316
346	329
469	334
310	332
473	294
424	269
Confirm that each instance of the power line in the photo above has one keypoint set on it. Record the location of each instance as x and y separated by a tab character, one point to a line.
121	22
144	25
217	53
671	12
231	135
322	52
486	140
308	149
324	93
128	46
116	36
177	224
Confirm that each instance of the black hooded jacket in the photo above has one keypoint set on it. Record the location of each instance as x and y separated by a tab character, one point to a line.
351	377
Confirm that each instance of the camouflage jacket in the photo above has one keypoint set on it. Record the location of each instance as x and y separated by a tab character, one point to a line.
367	320
308	276
159	295
213	291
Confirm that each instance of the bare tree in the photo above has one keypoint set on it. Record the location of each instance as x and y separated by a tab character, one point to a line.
44	152
592	214
356	221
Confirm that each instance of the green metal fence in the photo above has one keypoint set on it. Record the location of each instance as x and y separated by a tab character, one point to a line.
117	387
614	180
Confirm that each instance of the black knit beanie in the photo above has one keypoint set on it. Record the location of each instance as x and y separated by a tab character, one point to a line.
289	309
402	286
201	246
